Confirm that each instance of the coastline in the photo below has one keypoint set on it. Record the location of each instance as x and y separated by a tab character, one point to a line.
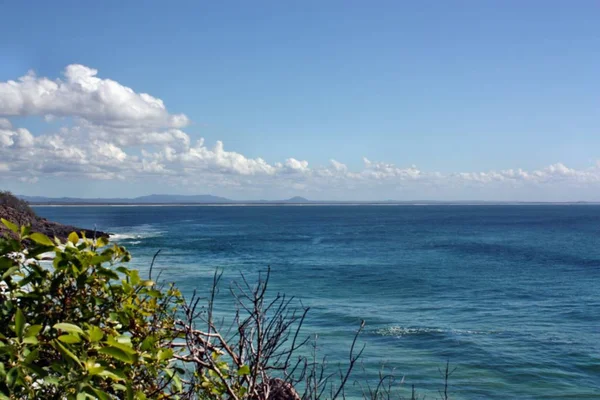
313	204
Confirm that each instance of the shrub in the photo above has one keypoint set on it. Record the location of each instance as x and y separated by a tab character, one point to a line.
84	327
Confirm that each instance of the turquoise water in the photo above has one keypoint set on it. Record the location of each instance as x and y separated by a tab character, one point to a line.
509	294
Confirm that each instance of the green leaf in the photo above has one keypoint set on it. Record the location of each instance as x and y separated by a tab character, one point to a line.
119	387
123	270
177	383
25	230
165	354
33	330
134	277
111	375
122	345
10	272
139	395
101	242
148	343
65	326
107	273
101	395
19	323
10	225
95	334
69	339
32	356
115	375
12	376
95	370
73	237
117	353
244	370
5	263
52	380
31	340
68	353
99	259
42	239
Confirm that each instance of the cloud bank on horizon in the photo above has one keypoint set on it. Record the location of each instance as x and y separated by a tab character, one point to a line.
100	129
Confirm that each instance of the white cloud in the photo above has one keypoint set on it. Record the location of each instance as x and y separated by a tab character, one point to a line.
338	166
20	138
113	132
293	165
82	94
5	124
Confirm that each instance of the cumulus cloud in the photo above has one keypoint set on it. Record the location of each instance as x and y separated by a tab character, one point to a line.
19	138
5	124
82	94
113	132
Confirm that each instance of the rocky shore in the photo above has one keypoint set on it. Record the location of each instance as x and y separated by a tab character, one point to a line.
25	216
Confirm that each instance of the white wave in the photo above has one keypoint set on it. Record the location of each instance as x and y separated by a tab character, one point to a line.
123	236
399	331
115	237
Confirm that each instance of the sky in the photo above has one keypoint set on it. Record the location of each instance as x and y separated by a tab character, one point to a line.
330	100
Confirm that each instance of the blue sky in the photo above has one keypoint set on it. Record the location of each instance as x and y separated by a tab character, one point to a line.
445	100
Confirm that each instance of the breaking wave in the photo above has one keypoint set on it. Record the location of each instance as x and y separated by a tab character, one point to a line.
116	237
399	331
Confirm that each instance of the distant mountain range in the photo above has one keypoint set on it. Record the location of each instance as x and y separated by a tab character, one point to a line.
156	199
210	199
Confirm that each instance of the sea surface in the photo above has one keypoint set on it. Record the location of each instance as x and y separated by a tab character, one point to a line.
510	295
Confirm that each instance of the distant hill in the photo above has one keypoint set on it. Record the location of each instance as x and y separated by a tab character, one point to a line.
71	200
153	199
174	198
297	199
210	199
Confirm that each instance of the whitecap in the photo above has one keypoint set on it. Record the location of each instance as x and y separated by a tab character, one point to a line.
115	237
121	236
399	331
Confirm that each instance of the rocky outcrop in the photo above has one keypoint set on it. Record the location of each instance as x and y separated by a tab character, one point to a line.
276	389
22	216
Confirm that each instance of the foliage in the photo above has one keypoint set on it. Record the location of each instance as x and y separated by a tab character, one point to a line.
84	326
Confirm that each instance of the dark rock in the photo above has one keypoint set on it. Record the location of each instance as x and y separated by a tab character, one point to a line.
42	225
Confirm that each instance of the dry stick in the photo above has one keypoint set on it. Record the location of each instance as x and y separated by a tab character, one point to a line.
293	347
446	375
353	360
258	295
216	279
152	264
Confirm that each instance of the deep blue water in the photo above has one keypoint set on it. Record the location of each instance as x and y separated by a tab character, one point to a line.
509	294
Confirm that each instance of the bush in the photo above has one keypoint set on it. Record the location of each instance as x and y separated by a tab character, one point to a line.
84	327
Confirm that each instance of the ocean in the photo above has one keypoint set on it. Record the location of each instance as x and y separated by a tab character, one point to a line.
509	295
